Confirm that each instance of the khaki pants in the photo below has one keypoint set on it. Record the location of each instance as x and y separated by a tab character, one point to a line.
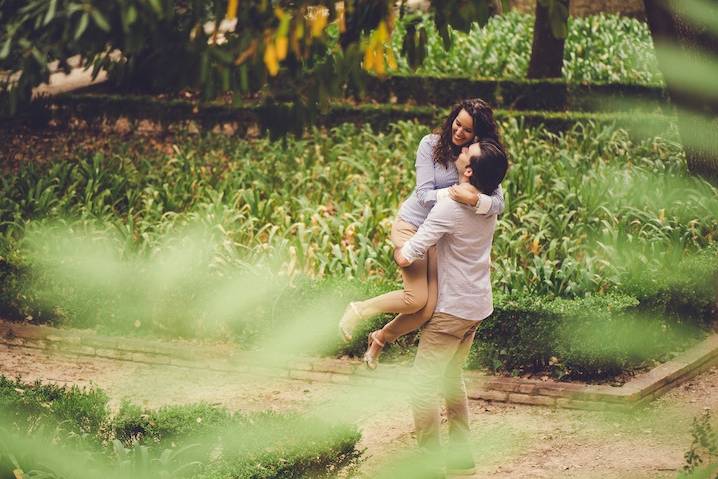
416	302
443	348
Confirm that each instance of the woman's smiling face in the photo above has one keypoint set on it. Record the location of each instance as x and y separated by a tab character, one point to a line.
462	130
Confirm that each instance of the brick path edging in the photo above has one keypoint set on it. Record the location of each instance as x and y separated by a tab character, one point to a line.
224	357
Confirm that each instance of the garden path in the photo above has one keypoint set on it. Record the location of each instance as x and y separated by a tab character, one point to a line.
510	441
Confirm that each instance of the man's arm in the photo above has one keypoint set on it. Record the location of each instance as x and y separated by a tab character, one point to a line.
441	220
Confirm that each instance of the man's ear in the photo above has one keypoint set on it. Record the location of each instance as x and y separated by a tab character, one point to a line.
468	172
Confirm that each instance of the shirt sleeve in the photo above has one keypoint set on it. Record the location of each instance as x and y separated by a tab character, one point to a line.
425	192
441	220
491	205
442	194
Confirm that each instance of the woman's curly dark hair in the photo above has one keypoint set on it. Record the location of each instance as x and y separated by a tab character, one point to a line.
484	128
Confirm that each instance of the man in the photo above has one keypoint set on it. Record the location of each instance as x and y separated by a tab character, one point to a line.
463	240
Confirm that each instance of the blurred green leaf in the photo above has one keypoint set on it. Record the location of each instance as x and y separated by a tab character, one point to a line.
157	6
100	20
695	70
82	25
50	12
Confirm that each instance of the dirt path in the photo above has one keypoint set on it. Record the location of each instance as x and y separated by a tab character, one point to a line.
510	441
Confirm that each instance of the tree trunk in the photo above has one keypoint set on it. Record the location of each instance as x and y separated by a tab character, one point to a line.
668	27
546	49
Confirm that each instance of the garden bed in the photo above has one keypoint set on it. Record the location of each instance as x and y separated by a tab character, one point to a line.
586	240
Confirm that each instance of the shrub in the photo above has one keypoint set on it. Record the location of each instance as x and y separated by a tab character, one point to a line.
134	425
701	458
289	446
589	338
74	410
599	49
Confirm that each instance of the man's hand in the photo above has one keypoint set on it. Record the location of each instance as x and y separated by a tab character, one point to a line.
464	193
400	260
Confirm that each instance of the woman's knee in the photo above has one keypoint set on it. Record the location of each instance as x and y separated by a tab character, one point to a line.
415	300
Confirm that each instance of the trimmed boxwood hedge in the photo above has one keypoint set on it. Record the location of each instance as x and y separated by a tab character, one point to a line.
592	338
96	108
549	94
588	338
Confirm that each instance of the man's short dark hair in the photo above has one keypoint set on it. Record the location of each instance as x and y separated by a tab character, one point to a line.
489	167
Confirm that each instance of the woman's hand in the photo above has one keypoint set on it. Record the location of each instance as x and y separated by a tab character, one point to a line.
399	258
464	193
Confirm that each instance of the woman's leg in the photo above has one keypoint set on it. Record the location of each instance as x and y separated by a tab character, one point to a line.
414	295
406	323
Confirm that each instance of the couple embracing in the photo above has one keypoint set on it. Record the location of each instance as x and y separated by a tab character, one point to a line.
442	237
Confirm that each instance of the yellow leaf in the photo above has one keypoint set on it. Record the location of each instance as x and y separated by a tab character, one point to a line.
368	59
18	473
270	59
535	247
379	63
662	215
281	46
391	59
319	18
232	6
299	31
382	32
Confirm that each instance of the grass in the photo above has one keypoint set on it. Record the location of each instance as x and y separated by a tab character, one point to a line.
50	431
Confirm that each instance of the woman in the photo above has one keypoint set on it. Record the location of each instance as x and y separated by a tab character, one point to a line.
468	121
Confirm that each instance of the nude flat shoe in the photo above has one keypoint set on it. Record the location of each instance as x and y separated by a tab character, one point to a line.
349	320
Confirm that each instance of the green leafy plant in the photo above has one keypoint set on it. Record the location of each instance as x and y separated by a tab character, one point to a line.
701	456
174	441
599	49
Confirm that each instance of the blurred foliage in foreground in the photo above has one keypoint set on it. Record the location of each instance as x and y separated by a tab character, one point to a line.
50	431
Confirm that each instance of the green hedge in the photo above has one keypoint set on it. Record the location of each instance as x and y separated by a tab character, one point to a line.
588	338
195	440
553	95
96	108
591	338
